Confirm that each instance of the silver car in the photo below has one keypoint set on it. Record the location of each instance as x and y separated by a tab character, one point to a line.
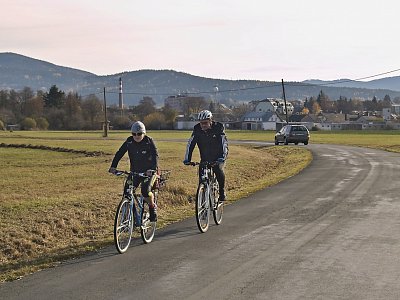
292	134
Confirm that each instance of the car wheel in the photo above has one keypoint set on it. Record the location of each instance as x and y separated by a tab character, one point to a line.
306	143
276	141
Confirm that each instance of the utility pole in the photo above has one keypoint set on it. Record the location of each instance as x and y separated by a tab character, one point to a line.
105	128
121	100
284	99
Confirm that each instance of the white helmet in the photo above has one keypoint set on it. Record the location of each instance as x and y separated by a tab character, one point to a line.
138	127
205	115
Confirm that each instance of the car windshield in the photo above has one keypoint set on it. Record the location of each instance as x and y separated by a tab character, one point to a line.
299	128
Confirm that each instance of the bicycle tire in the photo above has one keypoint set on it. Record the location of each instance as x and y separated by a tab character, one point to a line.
123	226
147	228
218	207
202	209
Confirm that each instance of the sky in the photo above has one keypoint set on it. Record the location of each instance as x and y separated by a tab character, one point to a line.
223	39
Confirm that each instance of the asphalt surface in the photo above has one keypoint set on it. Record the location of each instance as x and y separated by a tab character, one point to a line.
330	232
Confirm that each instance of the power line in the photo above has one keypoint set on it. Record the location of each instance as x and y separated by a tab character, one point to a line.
271	85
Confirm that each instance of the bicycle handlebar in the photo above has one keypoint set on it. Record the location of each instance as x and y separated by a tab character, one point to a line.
207	163
141	174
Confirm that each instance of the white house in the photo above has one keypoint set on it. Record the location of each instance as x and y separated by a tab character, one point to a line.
274	105
258	120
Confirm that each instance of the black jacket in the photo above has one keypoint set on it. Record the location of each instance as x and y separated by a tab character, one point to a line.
143	156
212	143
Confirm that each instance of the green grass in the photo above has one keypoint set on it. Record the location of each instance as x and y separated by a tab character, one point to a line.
55	205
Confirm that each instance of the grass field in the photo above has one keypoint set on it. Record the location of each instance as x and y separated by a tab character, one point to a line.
56	205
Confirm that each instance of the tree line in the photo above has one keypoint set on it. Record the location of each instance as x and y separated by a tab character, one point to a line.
322	102
57	110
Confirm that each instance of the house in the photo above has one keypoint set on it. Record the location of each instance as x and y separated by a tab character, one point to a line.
186	123
258	120
372	122
274	105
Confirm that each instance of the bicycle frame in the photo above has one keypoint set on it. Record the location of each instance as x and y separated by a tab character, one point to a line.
206	197
136	202
132	212
207	178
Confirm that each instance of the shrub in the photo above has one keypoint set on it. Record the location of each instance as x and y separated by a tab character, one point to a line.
121	122
42	123
28	124
155	121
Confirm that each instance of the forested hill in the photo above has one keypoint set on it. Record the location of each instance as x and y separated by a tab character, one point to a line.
18	71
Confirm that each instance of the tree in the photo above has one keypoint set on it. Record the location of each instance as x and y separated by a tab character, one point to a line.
310	105
55	117
146	106
324	102
169	116
14	102
193	105
26	94
92	109
305	111
316	109
241	110
73	112
54	98
33	107
386	102
371	105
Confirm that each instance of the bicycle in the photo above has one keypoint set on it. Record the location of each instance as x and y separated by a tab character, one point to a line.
207	197
133	211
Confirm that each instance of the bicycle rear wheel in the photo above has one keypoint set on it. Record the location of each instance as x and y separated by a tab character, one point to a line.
202	208
147	229
123	226
218	207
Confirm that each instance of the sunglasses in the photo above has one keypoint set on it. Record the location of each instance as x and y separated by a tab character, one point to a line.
137	134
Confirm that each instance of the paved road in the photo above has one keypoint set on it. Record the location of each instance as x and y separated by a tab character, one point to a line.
331	232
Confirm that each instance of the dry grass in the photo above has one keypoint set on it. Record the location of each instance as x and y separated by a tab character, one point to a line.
56	205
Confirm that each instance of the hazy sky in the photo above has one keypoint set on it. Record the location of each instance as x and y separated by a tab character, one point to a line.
227	39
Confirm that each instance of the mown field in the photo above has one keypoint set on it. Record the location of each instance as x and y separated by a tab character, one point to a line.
57	200
56	203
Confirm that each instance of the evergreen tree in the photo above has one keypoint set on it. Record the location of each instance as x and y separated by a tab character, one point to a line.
54	98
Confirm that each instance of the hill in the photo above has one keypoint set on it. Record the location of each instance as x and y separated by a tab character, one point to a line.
18	71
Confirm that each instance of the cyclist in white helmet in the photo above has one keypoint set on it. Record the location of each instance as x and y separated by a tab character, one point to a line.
213	146
143	156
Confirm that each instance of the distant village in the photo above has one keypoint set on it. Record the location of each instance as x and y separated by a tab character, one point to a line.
272	113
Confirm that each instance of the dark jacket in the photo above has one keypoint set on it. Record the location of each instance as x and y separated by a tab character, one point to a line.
212	143
143	156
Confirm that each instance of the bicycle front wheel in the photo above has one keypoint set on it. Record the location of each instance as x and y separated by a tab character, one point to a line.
123	226
147	229
218	207
202	208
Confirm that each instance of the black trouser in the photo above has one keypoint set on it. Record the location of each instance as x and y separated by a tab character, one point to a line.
219	174
146	184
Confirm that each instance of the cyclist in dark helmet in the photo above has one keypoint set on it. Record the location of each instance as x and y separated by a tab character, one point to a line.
213	146
143	158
